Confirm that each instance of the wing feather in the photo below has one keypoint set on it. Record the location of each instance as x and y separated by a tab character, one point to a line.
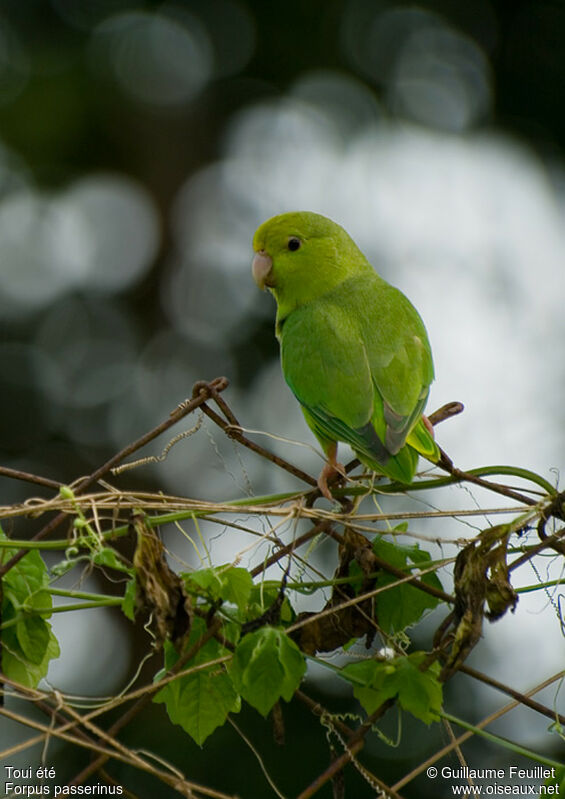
359	362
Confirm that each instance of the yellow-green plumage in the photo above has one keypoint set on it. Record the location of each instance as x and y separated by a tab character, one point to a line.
354	350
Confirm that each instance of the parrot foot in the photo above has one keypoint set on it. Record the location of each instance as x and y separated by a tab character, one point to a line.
331	468
428	425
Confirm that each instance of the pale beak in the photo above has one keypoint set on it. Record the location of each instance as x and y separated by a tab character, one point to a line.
261	268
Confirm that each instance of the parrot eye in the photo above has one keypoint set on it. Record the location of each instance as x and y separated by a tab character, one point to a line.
294	244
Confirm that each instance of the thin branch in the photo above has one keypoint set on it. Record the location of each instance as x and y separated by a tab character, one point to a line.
461	476
16	474
143	701
523	699
237	435
355	744
204	391
446	411
321	527
437	756
546	543
130	758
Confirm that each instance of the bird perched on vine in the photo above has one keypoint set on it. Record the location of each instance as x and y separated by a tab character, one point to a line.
354	350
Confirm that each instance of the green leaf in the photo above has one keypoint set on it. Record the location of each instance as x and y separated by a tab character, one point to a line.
267	664
558	780
236	586
32	634
418	692
401	527
61	568
199	701
263	596
128	602
402	606
107	556
229	583
27	642
17	667
356	575
26	579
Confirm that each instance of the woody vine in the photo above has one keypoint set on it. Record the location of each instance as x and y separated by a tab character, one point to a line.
227	635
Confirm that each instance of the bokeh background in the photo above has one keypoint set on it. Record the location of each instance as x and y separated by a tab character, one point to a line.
140	146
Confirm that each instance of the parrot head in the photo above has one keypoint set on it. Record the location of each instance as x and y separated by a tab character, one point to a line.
300	256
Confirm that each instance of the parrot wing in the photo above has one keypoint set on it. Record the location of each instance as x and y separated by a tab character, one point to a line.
346	375
401	368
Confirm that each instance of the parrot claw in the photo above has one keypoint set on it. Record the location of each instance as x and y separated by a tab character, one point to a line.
428	425
331	468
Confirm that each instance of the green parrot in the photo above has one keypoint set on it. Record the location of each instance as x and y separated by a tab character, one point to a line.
354	350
